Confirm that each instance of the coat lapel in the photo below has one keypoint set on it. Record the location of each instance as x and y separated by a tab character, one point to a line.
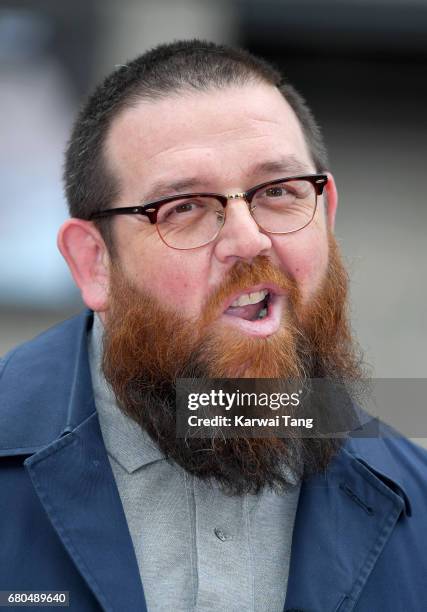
75	484
69	466
344	520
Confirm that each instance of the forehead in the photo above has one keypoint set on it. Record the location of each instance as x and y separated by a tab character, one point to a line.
219	138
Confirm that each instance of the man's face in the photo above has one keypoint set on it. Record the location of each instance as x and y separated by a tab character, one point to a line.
168	313
220	141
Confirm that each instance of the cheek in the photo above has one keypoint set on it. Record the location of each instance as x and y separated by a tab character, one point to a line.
176	279
304	256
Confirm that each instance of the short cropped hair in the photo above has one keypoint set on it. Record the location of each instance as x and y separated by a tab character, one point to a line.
189	65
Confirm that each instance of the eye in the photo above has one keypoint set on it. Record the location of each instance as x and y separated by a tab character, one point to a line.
275	195
276	191
180	209
286	193
186	207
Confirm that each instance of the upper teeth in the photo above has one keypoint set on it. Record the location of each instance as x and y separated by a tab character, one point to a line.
250	298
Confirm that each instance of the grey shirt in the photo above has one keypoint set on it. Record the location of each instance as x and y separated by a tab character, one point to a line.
197	548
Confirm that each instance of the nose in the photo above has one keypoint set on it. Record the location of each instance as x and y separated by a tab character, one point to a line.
240	237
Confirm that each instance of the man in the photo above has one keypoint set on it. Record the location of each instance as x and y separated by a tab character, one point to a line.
201	238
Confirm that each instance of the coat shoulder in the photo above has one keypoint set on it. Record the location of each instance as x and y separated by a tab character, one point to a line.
36	379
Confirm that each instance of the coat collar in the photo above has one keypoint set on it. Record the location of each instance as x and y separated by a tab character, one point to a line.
353	506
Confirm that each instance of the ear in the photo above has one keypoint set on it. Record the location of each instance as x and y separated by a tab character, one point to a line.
86	254
332	201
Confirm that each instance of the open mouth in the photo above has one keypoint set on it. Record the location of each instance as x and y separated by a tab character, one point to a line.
256	311
250	306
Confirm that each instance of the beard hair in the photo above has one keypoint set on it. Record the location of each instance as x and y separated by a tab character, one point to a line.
147	347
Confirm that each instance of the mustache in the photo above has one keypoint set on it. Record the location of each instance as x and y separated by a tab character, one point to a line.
243	275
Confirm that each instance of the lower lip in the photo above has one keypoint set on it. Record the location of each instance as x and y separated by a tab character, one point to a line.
267	326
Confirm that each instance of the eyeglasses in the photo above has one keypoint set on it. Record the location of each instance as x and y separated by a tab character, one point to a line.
192	220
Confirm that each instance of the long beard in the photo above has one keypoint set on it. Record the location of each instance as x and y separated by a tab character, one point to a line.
147	347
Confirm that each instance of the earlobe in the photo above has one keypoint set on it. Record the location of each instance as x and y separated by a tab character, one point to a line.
332	201
85	252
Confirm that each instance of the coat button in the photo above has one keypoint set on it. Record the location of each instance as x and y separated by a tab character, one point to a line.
222	535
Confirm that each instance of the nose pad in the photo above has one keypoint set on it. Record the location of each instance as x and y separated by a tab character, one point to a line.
242	196
250	208
240	236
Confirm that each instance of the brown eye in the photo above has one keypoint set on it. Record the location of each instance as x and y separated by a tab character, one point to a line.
275	192
181	208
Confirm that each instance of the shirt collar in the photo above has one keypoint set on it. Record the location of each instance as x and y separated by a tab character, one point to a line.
124	439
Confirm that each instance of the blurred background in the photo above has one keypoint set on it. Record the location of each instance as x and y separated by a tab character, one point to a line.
360	63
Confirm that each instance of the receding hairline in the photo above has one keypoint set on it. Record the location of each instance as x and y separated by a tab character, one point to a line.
143	97
290	163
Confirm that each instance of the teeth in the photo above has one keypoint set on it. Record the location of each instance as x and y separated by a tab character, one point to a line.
250	298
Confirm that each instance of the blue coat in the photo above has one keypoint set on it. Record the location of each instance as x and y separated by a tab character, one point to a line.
360	539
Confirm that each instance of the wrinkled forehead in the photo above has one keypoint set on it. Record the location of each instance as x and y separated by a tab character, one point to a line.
220	135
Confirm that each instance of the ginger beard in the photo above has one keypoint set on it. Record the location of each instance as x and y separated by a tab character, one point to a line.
147	347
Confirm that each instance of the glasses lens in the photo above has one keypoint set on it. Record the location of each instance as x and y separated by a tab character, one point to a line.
188	223
284	207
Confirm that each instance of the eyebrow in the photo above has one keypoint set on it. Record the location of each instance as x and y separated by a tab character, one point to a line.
288	165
